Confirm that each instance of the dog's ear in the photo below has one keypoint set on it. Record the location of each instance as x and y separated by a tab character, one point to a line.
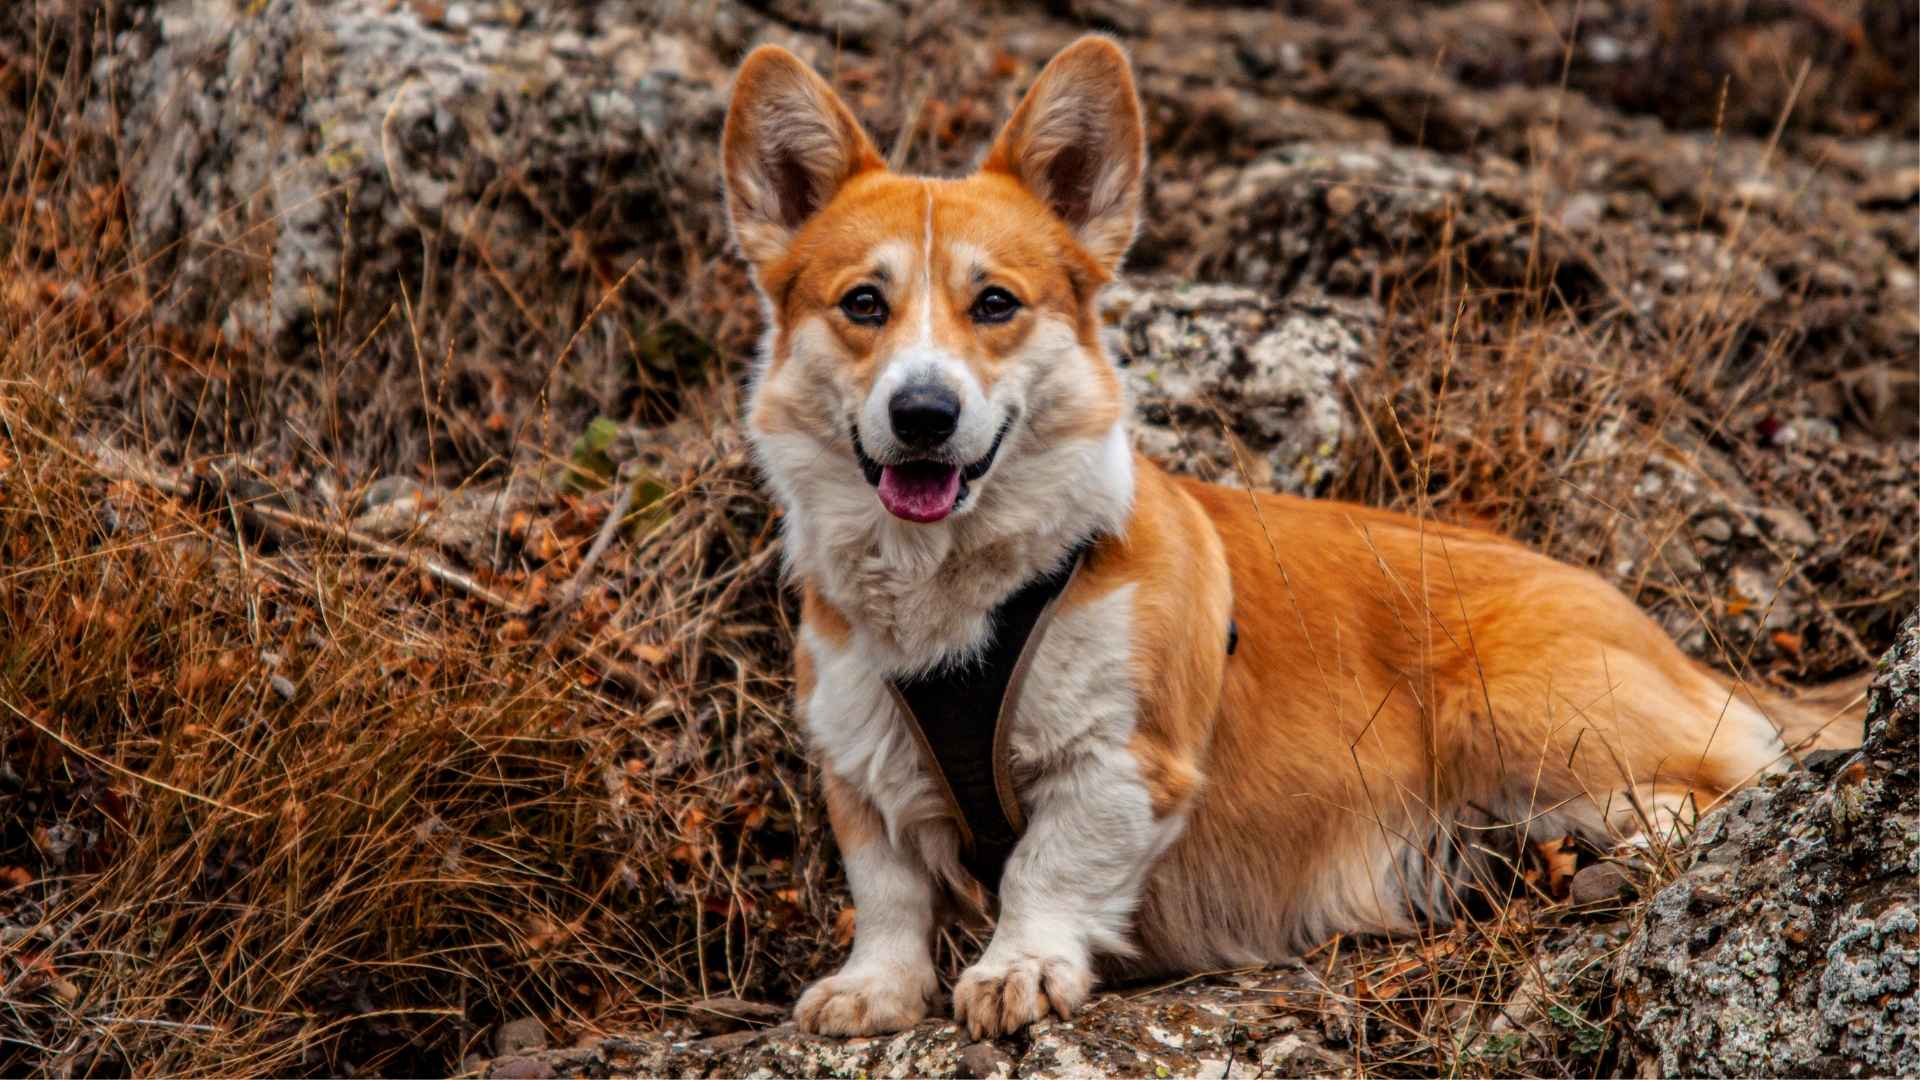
1076	141
789	145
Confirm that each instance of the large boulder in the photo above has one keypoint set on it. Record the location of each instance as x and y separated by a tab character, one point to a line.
1238	387
284	153
1791	945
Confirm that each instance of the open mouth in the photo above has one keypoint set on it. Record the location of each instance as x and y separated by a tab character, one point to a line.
925	490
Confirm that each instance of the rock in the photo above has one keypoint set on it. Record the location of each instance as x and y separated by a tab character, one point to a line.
1582	212
1599	884
1758	536
520	1036
1791	945
1234	1025
313	138
1275	373
521	1068
985	1061
720	1015
392	489
1560	995
1342	219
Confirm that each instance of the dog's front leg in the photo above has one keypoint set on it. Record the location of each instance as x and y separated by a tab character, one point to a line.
1068	891
887	982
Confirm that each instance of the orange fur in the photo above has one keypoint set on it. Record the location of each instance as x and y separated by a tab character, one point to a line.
1396	676
1182	610
1017	244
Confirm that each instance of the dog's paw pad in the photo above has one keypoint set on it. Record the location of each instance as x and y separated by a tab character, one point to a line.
864	1003
995	998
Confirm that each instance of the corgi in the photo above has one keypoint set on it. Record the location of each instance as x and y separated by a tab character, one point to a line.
1252	720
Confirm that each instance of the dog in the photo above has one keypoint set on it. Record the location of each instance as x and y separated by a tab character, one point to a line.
1239	722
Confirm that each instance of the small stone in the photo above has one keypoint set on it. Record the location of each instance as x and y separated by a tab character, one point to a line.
982	1060
1605	49
284	687
390	489
1833	277
519	1036
1582	212
1790	525
1713	530
521	1068
1341	200
1825	760
459	17
1603	883
720	1015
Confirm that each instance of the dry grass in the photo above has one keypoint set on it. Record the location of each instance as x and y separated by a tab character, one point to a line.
320	812
275	801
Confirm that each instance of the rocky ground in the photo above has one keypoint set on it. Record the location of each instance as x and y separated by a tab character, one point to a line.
1632	280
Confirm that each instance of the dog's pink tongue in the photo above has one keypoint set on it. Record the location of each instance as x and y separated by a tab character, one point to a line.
919	490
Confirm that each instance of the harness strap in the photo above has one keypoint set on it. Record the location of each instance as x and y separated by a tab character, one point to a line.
971	760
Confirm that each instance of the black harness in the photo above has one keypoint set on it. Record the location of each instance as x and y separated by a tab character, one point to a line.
971	759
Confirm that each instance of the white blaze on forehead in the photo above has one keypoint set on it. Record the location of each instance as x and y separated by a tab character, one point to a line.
926	273
922	358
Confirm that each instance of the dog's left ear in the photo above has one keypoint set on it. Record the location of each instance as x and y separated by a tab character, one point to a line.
1077	142
790	144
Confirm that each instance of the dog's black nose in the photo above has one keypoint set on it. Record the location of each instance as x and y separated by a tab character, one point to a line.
924	415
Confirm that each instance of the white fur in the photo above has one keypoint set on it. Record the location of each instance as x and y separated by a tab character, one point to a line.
1073	883
888	980
1064	901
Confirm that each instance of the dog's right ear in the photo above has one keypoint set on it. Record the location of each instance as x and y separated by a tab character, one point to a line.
789	145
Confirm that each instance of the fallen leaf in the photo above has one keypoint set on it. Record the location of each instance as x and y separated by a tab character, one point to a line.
1561	860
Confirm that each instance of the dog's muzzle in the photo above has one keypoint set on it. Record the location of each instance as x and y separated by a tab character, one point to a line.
925	490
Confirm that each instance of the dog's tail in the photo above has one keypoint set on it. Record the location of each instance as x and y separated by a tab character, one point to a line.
1832	716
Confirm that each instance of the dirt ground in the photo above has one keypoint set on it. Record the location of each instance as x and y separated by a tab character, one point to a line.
334	736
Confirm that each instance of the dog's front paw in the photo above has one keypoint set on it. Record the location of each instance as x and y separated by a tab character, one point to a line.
870	1001
1000	996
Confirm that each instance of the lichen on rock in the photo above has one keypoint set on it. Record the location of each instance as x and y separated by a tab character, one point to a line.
1236	387
1791	945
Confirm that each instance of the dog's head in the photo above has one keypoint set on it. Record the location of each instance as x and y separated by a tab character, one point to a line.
926	335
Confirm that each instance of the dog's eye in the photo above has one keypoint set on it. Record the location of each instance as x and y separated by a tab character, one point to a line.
995	305
864	305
